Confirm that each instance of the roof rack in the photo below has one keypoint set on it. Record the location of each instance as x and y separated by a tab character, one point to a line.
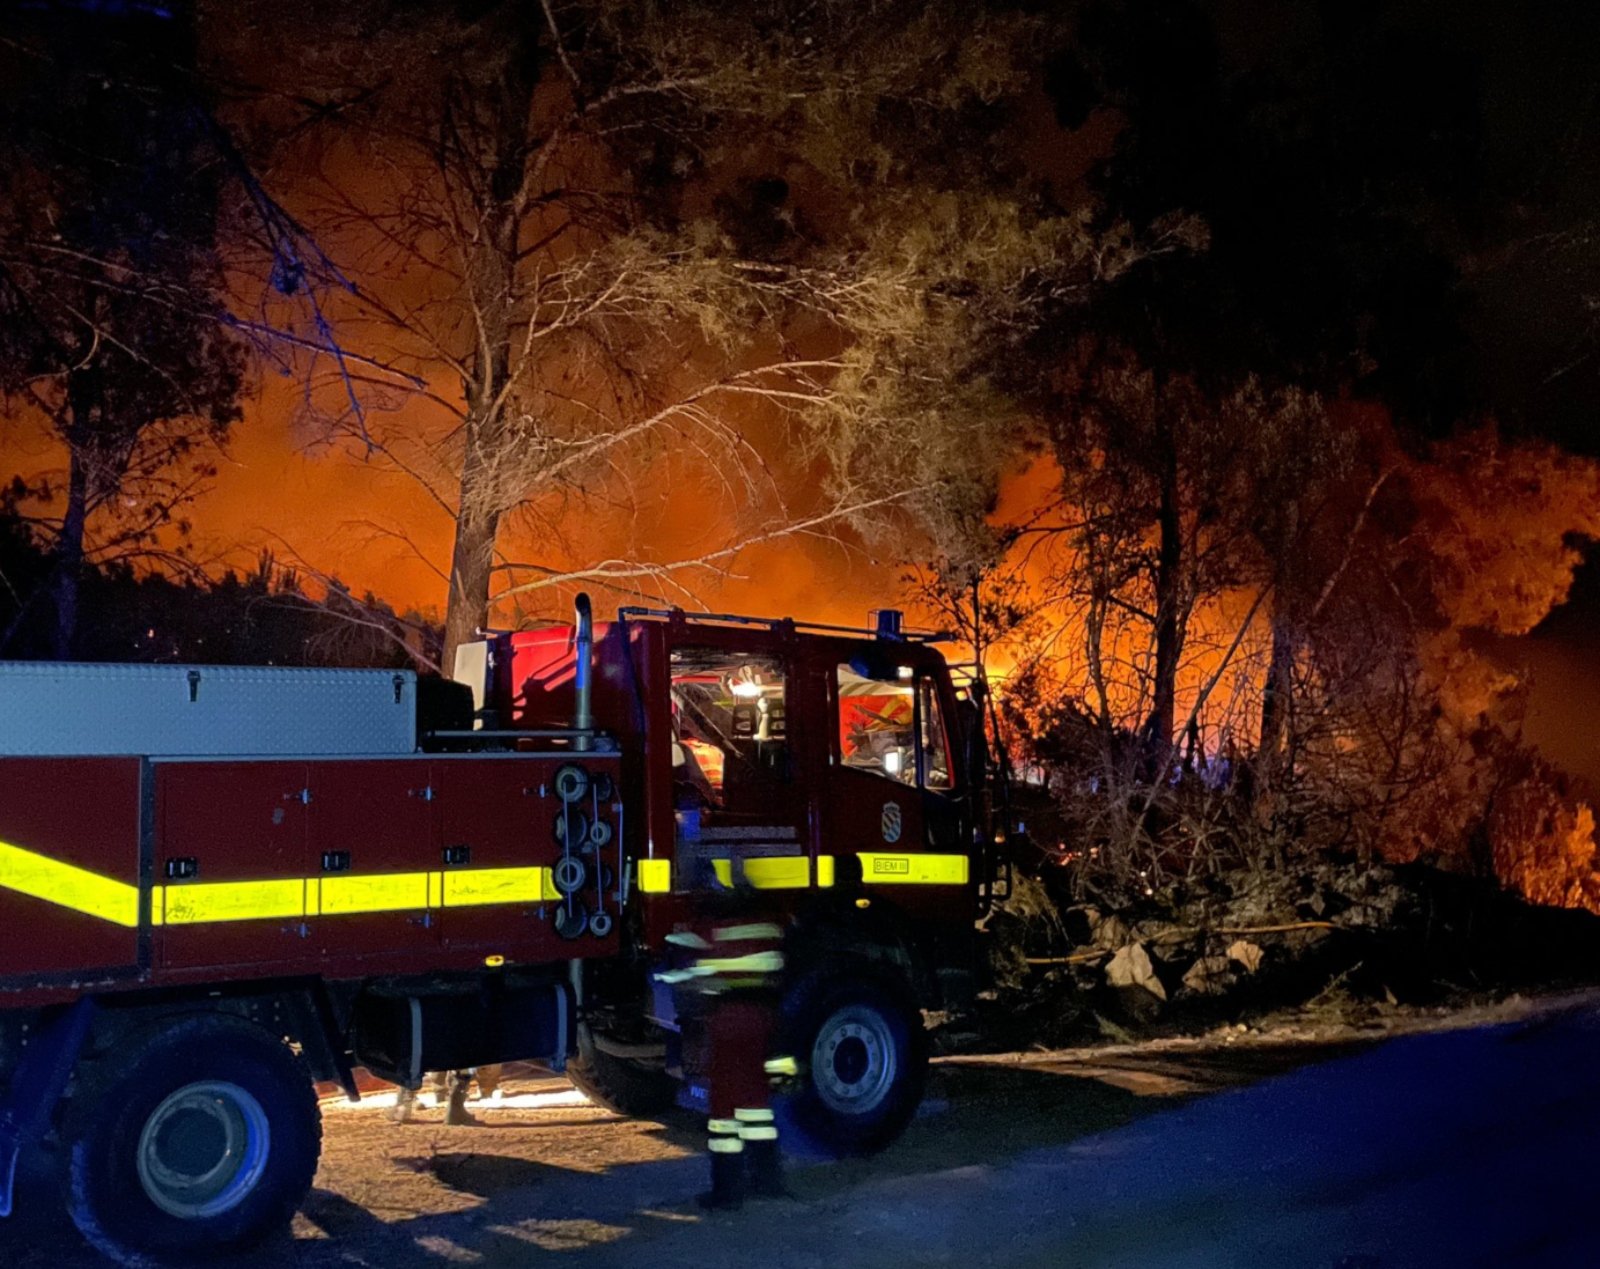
778	624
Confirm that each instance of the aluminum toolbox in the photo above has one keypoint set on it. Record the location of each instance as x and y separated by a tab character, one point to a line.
61	708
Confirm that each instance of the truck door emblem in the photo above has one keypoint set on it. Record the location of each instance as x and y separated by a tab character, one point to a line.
891	822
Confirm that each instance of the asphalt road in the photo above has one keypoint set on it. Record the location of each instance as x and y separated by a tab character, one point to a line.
1470	1148
1467	1148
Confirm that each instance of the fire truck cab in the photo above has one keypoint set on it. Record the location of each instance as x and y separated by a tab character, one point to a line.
840	774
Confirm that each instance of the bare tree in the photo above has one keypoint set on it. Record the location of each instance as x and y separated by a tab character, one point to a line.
626	247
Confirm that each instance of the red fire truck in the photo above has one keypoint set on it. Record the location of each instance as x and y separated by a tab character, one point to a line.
220	884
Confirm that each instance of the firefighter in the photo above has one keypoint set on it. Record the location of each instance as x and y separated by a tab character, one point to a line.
729	979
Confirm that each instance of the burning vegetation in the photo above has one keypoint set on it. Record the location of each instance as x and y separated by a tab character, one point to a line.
1328	693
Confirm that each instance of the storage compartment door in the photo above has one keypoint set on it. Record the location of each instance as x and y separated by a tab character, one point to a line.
497	848
375	861
69	866
231	865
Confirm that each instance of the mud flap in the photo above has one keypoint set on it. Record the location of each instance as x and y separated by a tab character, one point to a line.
40	1080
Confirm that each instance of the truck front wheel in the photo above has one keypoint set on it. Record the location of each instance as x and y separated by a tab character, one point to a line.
856	1033
201	1141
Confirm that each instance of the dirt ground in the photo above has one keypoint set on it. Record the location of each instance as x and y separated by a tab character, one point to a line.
547	1176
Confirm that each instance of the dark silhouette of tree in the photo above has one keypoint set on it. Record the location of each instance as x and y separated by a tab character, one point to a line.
1331	157
110	283
270	615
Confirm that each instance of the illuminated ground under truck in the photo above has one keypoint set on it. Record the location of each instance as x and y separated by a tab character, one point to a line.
218	885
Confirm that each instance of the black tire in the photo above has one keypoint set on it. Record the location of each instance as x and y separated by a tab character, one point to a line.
204	1087
620	1085
856	1032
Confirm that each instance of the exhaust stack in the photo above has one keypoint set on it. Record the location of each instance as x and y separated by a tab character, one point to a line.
583	712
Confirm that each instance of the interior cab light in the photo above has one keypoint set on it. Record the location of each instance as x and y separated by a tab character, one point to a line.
906	673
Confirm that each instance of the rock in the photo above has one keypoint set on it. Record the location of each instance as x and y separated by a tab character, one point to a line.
1110	932
1245	953
1131	967
1209	976
1139	1007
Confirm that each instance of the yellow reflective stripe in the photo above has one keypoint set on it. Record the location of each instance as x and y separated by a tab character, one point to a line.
201	902
380	892
783	872
782	1066
760	1115
688	938
204	902
722	1125
65	885
894	868
655	876
739	933
725	1145
768	872
478	887
68	886
755	963
793	872
761	1132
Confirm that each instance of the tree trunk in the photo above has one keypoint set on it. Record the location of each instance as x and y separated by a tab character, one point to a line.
471	562
1276	700
491	277
67	577
1169	608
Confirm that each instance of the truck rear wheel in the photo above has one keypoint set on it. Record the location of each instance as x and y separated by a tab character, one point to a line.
857	1035
203	1141
621	1085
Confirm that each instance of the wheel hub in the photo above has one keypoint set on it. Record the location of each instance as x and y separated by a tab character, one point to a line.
854	1061
203	1150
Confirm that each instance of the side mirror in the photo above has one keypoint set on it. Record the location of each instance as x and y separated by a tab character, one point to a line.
974	744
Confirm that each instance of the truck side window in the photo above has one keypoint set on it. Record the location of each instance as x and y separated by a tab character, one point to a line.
729	728
877	720
879	724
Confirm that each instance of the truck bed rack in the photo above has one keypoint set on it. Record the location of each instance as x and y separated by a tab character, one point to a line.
778	624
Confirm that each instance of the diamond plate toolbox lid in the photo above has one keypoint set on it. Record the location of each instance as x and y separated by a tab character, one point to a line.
65	708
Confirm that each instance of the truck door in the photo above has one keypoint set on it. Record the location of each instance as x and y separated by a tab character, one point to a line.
733	769
892	797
